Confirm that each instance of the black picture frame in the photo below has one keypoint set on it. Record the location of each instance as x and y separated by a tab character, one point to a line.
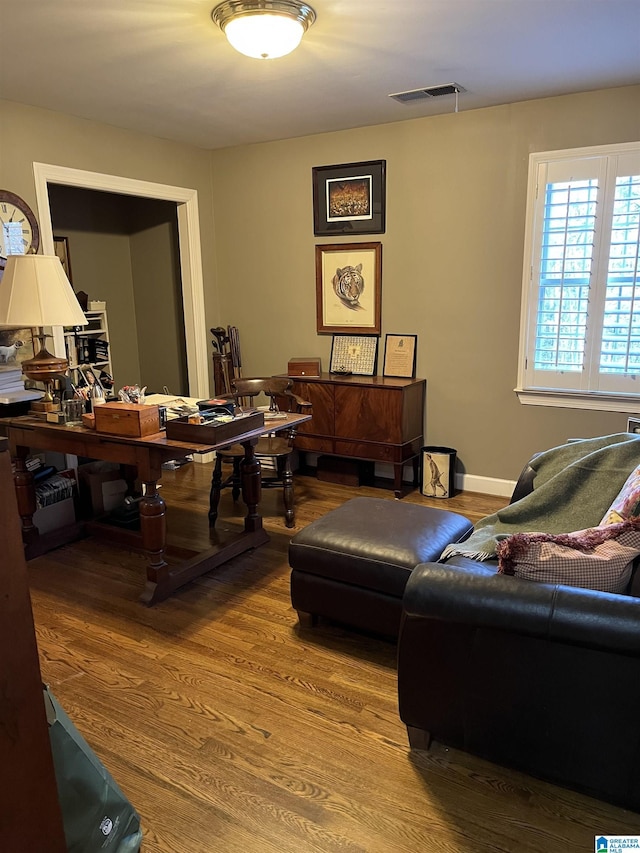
87	377
356	354
400	353
349	198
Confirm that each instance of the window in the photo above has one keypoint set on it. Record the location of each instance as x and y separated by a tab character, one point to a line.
580	327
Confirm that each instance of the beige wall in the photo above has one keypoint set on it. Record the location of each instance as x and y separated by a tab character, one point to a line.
154	257
29	134
452	258
452	252
101	267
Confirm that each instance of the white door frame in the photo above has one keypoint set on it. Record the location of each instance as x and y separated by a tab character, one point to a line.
190	252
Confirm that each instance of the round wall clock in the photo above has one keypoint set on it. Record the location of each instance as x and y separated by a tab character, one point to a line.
19	232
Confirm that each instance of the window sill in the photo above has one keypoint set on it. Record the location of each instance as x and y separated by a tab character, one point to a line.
627	403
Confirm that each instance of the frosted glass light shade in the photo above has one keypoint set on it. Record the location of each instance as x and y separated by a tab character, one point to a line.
264	36
34	291
264	29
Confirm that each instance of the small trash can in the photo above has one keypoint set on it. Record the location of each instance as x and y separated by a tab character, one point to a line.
438	472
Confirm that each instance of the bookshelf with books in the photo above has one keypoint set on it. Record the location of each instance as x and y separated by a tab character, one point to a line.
88	349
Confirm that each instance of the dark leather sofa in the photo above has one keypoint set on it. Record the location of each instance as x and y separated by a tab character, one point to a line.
543	678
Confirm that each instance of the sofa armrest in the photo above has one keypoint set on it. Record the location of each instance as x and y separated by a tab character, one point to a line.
472	593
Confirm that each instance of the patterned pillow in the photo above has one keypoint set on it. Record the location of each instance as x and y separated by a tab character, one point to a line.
599	558
627	503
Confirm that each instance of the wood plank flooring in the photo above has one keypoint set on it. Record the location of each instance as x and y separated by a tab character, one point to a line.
232	729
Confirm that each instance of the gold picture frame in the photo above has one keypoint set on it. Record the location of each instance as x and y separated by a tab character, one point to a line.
349	288
61	249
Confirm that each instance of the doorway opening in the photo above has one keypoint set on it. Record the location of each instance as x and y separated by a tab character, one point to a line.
188	250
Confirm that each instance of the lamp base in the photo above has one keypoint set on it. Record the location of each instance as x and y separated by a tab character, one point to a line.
45	367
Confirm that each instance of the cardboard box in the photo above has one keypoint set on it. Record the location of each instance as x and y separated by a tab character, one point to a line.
127	419
54	516
101	484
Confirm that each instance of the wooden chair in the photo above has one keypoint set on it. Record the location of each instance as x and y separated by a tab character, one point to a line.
276	447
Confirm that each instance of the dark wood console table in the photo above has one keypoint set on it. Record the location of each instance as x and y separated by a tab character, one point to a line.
146	455
372	418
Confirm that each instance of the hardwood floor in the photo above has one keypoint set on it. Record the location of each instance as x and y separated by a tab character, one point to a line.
232	729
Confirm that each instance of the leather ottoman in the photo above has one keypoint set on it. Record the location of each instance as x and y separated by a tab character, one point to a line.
352	565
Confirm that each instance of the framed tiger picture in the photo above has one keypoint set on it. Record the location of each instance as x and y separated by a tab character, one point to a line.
349	288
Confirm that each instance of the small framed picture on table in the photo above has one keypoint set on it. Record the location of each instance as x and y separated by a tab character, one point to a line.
400	356
88	378
357	354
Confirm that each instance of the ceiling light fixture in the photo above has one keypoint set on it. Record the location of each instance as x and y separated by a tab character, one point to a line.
264	29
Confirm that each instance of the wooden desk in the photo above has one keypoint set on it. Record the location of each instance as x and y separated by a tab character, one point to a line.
147	456
376	418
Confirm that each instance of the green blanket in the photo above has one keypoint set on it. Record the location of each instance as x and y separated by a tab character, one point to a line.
574	486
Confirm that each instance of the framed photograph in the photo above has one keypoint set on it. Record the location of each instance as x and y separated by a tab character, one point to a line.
349	198
400	356
349	288
87	377
16	346
61	248
356	354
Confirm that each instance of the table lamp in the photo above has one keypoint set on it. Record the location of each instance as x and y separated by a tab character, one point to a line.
35	292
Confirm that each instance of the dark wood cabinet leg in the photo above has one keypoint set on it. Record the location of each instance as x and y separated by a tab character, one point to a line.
397	480
307	620
419	738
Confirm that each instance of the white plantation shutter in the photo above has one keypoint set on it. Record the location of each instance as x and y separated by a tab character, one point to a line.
580	331
620	345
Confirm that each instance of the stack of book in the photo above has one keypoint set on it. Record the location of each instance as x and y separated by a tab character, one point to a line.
12	388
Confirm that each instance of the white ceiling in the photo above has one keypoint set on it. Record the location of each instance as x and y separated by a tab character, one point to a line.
163	67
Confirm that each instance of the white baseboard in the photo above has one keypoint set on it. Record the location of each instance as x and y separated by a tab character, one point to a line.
464	482
485	485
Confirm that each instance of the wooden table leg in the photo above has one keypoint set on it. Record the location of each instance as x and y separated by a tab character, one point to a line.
153	528
26	494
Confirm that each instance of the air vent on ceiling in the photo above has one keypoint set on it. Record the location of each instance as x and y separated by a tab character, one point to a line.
428	92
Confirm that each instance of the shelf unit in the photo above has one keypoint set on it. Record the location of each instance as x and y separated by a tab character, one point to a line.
79	346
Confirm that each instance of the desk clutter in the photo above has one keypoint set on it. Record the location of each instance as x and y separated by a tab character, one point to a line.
212	429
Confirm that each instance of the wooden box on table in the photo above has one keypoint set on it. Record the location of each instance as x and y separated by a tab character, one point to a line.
129	419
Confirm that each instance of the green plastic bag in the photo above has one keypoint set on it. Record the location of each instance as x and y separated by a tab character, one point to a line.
97	816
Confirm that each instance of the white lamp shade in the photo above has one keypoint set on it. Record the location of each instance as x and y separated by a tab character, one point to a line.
263	35
34	291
